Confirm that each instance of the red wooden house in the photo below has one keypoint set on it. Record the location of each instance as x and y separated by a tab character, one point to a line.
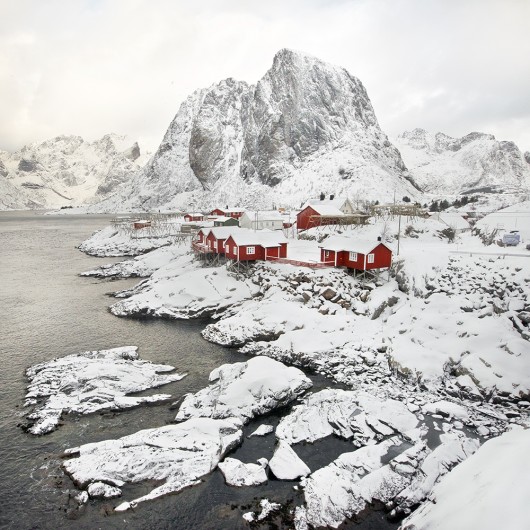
247	245
215	240
318	215
195	216
141	223
356	254
236	213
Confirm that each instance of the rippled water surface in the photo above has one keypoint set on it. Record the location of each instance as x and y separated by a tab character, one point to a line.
47	311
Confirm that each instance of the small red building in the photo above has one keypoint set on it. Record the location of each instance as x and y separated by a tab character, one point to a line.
236	213
142	223
247	245
318	215
356	254
195	216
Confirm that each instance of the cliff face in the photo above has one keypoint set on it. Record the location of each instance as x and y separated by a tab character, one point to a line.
477	161
304	128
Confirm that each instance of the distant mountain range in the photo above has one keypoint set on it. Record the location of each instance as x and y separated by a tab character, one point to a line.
476	162
66	171
305	128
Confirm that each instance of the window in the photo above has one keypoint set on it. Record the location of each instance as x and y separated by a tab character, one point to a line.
370	258
251	250
326	253
353	256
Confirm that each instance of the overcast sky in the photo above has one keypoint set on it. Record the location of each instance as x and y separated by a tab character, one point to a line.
89	67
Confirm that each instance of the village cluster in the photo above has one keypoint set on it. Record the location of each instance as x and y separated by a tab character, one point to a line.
243	236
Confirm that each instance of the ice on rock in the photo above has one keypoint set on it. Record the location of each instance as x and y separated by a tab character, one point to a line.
286	464
237	473
179	455
245	390
348	414
92	381
488	491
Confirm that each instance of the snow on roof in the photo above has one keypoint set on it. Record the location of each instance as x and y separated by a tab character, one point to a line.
221	232
326	210
264	238
454	220
270	215
337	202
362	246
230	210
193	213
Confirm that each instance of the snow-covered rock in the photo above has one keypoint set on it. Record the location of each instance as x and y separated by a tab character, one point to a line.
237	473
348	414
286	464
111	241
267	507
345	487
183	289
92	381
141	266
487	491
245	390
262	430
176	455
68	170
100	490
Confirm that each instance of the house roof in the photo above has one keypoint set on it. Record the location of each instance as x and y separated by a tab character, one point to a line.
454	220
230	210
326	210
194	214
221	232
362	246
337	202
263	238
270	215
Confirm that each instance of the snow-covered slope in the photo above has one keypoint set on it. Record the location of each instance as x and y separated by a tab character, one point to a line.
66	170
306	127
477	161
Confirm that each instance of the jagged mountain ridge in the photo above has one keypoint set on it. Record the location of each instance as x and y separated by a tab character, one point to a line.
66	170
304	128
475	162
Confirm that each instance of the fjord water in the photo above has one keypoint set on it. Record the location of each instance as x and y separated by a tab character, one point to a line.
48	311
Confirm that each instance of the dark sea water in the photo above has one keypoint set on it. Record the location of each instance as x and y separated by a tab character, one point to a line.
48	311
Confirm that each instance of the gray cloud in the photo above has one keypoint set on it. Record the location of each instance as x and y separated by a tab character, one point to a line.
103	66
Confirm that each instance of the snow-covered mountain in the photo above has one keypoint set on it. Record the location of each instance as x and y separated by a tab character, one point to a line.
66	170
306	127
477	161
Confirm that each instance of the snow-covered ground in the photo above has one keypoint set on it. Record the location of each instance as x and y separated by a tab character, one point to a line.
90	382
488	491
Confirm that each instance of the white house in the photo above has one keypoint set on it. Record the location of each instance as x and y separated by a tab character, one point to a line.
260	220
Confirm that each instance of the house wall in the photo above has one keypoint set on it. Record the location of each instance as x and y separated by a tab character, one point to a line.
382	258
211	242
304	220
283	250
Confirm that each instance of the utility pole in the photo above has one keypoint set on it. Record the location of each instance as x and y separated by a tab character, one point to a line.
399	232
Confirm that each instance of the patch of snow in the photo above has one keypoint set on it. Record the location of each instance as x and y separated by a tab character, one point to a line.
286	464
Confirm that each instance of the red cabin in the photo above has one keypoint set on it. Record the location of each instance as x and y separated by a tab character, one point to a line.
191	217
243	245
318	215
143	223
236	213
215	240
356	254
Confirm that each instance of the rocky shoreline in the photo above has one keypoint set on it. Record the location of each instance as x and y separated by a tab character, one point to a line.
424	383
